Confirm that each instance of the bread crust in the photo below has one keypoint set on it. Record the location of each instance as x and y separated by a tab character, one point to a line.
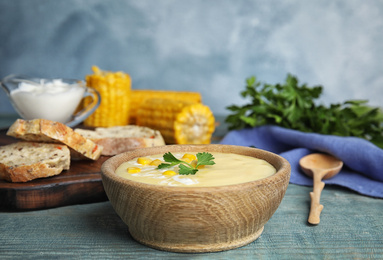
115	140
26	161
28	172
42	130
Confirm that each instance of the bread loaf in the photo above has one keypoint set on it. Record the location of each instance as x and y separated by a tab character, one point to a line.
25	161
119	139
42	130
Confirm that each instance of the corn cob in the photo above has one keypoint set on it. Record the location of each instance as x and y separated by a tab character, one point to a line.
114	88
139	96
179	121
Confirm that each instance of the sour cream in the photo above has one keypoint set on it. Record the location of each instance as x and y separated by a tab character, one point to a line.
53	100
228	169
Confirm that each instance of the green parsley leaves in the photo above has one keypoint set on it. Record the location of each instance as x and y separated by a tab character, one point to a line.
293	106
184	167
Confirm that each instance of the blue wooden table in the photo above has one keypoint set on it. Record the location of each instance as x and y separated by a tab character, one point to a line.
351	228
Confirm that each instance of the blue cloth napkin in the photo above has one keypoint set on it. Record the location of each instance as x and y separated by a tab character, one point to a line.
363	161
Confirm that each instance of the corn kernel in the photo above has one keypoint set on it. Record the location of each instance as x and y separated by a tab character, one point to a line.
156	162
133	170
187	160
194	164
190	157
144	160
169	173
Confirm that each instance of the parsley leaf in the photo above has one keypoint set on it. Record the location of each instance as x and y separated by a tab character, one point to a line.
185	170
204	159
184	167
169	157
294	106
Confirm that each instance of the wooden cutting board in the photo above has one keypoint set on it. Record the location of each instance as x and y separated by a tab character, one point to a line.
78	185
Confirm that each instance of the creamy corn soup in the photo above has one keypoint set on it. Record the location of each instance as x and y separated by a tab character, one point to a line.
228	169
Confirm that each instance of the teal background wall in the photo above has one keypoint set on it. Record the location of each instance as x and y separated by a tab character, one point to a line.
210	46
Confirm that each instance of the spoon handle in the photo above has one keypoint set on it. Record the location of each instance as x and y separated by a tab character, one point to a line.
316	208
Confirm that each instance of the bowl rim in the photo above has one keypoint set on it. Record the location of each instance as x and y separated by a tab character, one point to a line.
107	166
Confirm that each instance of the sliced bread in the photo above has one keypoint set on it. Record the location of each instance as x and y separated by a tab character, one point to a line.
42	130
119	139
25	161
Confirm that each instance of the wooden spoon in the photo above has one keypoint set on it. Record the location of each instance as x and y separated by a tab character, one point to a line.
319	166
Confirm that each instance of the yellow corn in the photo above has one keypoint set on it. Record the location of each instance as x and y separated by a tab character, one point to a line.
144	160
187	160
179	121
194	164
169	173
133	170
114	88
156	162
139	96
188	157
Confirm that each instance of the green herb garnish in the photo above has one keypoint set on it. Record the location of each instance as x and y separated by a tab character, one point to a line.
184	167
292	106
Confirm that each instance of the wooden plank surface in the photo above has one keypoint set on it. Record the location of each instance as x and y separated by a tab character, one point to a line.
80	184
351	227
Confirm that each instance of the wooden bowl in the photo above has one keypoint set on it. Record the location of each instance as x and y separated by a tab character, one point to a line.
196	219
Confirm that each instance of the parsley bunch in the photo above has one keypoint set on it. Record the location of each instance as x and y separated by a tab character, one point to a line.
184	167
292	106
